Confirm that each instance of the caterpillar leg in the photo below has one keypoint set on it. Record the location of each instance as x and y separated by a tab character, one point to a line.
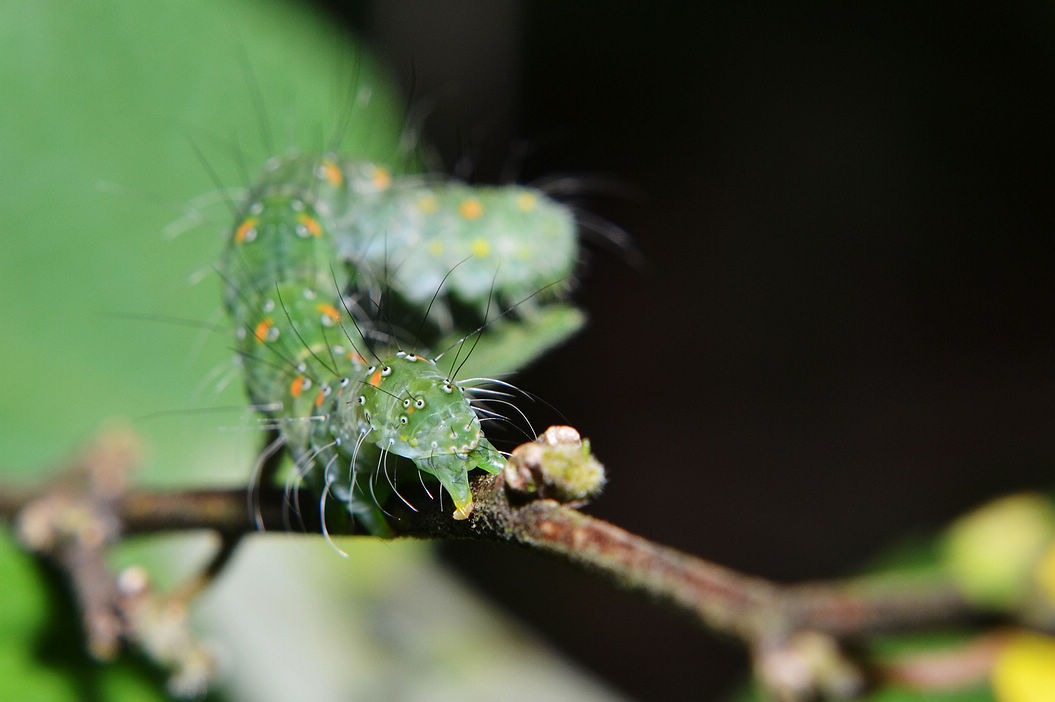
453	474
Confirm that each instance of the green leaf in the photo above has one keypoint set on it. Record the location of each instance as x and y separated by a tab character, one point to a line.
106	104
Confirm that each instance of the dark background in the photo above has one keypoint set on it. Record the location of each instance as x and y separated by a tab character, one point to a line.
843	328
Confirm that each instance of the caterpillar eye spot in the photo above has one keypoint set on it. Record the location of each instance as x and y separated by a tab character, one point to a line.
370	370
297	205
386	371
403	420
419	403
256	208
268	306
362	401
406	403
446	387
344	382
309	294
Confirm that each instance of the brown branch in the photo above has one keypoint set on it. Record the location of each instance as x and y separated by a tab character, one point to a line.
720	598
788	627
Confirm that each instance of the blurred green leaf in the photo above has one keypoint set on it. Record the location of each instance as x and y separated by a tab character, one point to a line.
103	102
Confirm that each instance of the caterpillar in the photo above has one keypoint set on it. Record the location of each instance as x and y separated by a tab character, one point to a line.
446	229
337	402
424	232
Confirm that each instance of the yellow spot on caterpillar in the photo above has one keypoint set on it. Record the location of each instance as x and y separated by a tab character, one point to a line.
332	173
263	329
311	224
329	312
375	379
244	228
410	410
435	247
297	386
480	248
526	202
471	208
428	204
381	178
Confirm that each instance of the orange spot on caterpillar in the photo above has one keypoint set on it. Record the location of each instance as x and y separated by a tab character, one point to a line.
263	329
319	398
375	379
381	178
353	356
330	312
297	386
471	208
244	228
311	224
332	173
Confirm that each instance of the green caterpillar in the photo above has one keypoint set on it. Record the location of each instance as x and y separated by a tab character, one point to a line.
481	242
427	230
337	402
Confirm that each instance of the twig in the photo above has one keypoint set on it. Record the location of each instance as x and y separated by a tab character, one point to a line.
720	598
792	629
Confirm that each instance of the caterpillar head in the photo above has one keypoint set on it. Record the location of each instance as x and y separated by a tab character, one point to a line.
408	407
